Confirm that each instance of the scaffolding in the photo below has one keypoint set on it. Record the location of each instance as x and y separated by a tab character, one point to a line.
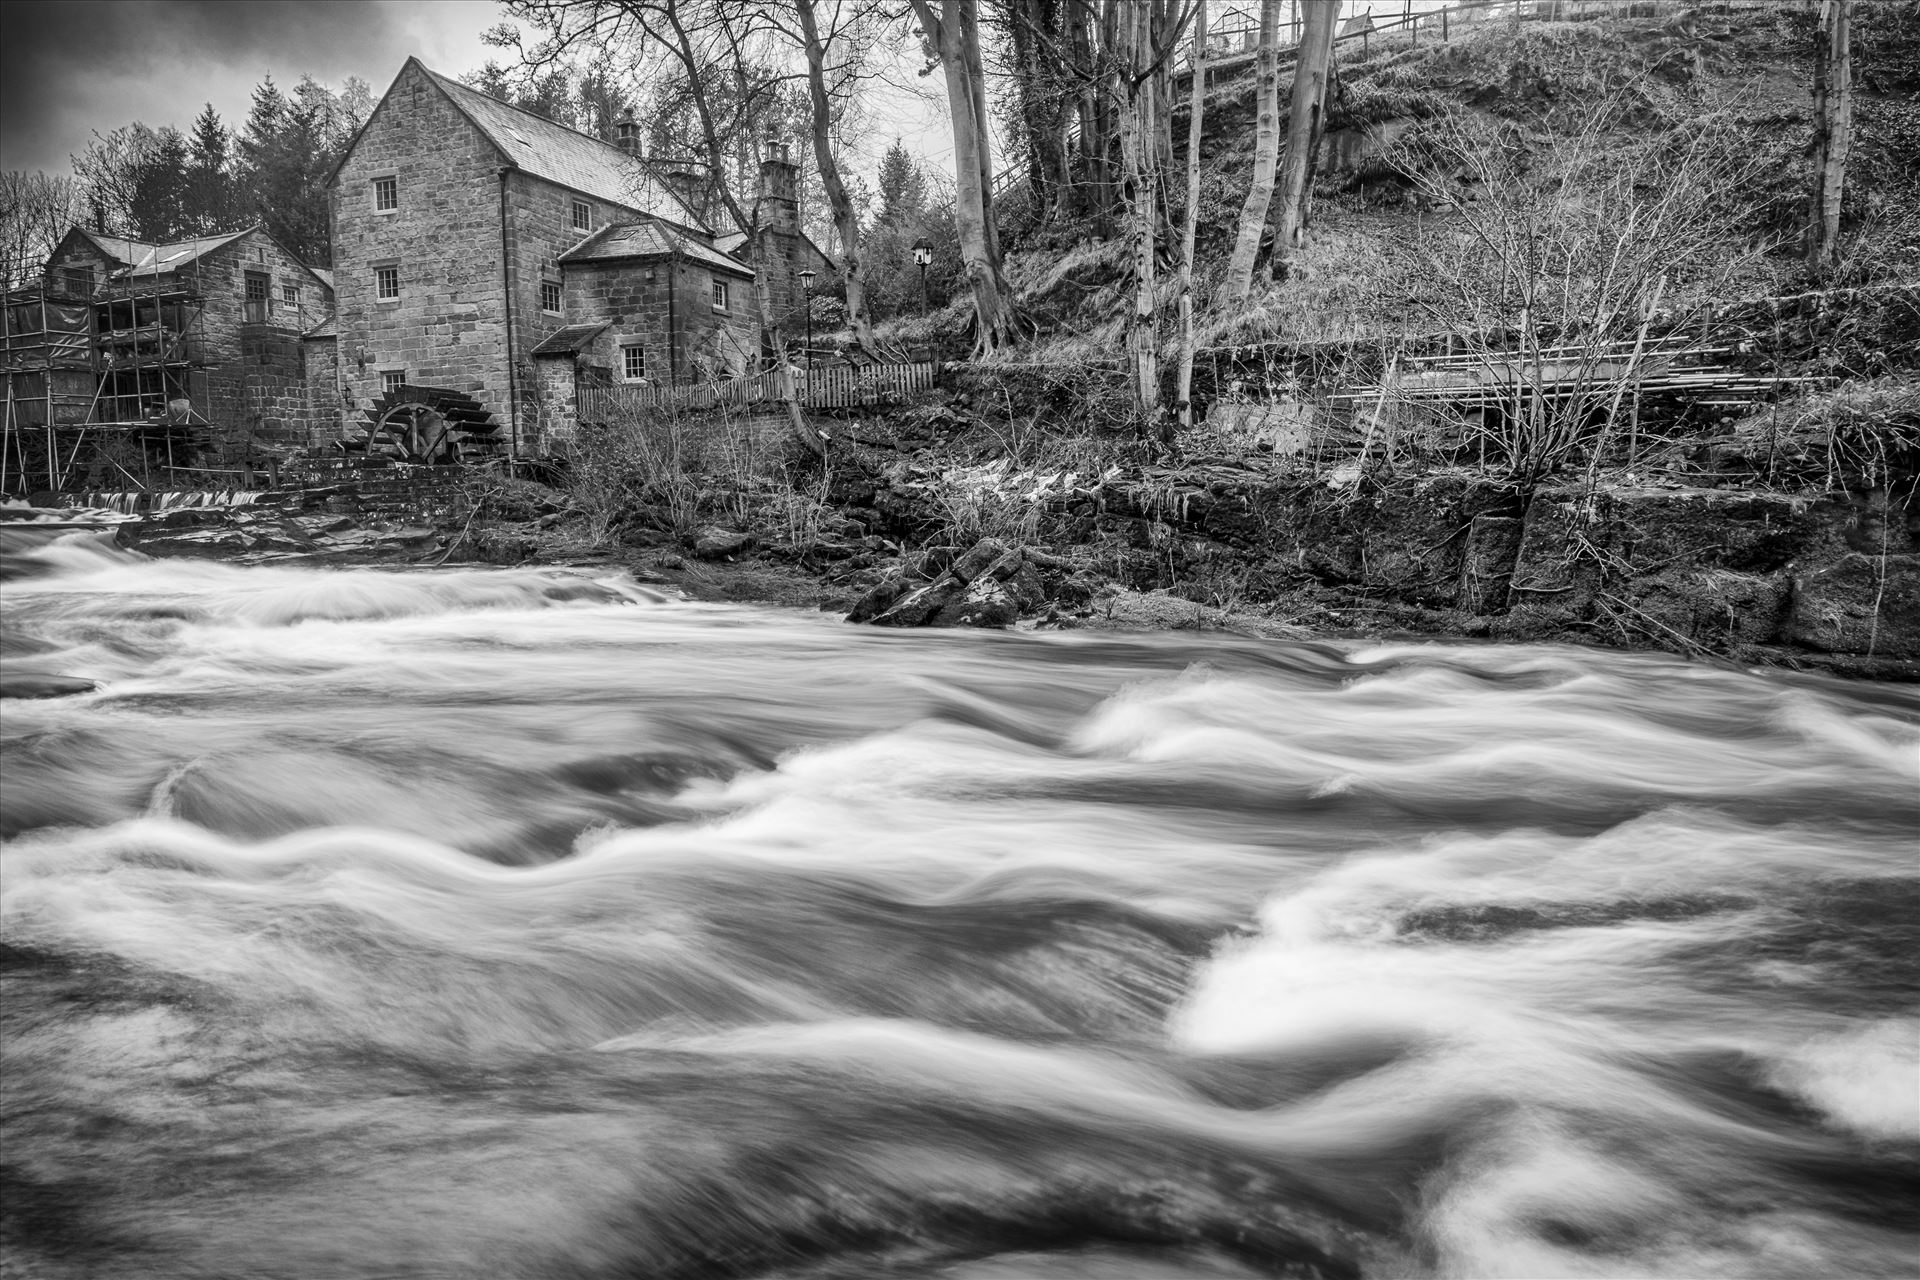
86	366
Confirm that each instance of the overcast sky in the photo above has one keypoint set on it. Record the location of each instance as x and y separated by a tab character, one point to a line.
70	67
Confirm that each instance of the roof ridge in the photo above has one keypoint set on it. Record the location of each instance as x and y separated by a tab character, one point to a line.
534	115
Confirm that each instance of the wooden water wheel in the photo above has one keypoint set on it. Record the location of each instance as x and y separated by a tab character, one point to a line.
430	425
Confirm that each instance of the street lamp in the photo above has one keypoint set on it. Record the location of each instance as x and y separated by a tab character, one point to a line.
806	282
923	254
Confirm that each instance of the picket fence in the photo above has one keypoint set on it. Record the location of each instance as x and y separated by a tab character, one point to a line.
834	387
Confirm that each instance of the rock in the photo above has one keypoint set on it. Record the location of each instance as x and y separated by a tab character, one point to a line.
975	562
878	598
1026	589
495	547
985	603
1859	604
720	544
935	561
917	607
40	684
1006	566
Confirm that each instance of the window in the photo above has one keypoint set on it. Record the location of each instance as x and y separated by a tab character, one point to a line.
78	280
386	284
386	195
256	298
550	296
719	295
392	380
633	363
582	216
290	294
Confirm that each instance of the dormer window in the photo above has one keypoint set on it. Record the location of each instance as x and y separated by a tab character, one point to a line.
582	216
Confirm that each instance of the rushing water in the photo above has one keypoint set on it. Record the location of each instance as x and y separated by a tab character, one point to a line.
517	923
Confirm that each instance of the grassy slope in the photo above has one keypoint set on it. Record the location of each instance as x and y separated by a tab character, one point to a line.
1358	276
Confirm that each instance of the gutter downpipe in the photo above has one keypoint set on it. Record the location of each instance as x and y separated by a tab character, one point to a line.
506	296
673	327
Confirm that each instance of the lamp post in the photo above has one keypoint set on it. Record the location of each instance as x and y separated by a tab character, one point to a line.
923	254
806	283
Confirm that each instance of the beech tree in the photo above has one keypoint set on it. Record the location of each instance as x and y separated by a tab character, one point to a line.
1266	155
1196	111
952	29
846	221
1311	61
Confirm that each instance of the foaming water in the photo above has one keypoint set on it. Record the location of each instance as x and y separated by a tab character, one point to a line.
523	923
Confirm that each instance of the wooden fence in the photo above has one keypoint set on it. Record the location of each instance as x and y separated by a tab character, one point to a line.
820	387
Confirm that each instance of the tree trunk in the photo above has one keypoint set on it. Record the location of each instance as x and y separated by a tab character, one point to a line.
1266	154
1135	96
1194	114
1310	64
1090	103
994	322
846	223
1832	131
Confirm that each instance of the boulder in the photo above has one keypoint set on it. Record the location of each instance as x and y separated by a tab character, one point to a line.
1858	604
720	544
985	603
917	607
976	562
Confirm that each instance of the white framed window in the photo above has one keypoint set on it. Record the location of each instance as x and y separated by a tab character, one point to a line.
386	284
633	362
386	195
392	380
719	295
550	296
582	216
290	294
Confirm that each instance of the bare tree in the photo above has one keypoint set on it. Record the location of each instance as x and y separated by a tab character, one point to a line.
1310	64
1266	155
1195	113
1832	131
846	221
36	209
953	33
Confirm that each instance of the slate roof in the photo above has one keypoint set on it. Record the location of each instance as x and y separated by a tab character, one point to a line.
325	329
640	240
567	157
570	339
326	276
139	258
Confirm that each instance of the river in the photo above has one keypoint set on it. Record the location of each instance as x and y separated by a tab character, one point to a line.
519	923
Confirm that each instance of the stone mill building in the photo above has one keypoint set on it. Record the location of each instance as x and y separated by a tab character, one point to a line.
487	250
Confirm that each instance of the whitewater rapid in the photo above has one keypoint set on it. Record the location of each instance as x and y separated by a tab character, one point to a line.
522	923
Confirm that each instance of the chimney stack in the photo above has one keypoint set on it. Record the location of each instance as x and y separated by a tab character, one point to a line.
629	134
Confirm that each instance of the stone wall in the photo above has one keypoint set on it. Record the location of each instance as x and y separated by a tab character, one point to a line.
1754	575
448	328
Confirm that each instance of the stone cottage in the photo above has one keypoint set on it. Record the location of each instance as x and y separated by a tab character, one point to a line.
489	251
207	330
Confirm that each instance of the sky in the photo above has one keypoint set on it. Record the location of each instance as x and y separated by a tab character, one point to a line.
69	68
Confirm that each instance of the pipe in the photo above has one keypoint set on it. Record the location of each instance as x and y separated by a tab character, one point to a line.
673	337
506	297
